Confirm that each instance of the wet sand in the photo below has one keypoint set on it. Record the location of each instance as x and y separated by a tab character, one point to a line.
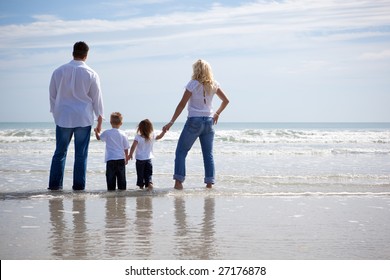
181	225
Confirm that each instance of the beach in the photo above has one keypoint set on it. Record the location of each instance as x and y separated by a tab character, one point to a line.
316	192
198	226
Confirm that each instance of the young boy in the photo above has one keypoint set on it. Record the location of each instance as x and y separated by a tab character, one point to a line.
117	151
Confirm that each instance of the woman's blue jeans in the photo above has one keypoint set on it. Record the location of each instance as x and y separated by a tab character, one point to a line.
194	128
81	142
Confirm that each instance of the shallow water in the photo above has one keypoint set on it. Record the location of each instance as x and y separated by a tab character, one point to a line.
284	191
255	158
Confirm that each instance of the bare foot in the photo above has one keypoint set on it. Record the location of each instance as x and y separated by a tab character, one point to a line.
178	185
209	186
150	187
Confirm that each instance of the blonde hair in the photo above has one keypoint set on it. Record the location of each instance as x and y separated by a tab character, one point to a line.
145	129
203	74
116	118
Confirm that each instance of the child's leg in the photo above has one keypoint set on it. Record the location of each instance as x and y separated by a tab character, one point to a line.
148	173
110	175
140	166
121	174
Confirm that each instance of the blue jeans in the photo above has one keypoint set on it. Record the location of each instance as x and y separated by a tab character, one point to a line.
194	128
81	143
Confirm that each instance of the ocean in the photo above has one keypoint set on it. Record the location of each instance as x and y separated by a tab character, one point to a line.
270	177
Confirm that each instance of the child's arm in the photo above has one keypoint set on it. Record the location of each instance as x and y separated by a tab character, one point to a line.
161	135
126	156
97	134
132	149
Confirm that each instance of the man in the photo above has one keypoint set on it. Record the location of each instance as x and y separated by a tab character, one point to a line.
75	97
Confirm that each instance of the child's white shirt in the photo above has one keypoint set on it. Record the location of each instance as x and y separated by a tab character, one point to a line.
144	150
116	143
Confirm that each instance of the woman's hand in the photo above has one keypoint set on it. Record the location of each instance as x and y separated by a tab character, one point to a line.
225	102
167	126
215	118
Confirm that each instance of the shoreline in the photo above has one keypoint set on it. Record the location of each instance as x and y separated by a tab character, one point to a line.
161	192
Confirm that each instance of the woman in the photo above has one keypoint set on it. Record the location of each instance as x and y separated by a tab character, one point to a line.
199	95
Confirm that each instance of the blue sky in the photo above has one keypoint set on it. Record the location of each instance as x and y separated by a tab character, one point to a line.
278	61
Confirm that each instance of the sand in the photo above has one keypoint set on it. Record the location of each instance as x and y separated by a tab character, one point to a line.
190	226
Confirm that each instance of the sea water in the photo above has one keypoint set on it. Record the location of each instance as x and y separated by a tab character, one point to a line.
283	191
250	158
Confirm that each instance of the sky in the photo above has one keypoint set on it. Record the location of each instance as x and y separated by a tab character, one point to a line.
277	61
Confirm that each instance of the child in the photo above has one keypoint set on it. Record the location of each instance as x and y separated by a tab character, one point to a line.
117	149
143	143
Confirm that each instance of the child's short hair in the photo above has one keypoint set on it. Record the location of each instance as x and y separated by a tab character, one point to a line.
116	118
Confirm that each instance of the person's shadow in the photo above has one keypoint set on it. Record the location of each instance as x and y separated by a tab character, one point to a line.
193	242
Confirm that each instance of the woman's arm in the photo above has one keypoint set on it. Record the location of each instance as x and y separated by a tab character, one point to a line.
182	104
225	102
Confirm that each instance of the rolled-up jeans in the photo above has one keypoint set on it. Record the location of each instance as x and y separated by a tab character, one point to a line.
81	143
194	128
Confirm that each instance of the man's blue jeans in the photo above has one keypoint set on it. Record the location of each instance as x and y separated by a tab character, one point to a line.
81	142
202	128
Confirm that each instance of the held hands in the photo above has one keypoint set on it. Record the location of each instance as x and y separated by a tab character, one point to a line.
167	126
97	133
99	125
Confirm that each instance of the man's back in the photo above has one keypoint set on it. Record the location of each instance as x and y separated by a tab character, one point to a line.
74	94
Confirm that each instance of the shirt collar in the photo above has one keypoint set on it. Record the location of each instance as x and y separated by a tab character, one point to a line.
78	62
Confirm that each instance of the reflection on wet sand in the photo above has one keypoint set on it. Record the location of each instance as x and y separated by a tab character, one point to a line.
80	231
195	241
68	243
57	237
143	227
116	231
108	231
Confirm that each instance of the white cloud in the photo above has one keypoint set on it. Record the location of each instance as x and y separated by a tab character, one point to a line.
263	51
48	18
318	19
380	55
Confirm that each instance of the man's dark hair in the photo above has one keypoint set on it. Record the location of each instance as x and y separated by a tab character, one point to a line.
80	50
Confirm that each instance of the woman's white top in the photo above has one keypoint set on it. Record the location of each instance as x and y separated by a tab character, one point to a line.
201	101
